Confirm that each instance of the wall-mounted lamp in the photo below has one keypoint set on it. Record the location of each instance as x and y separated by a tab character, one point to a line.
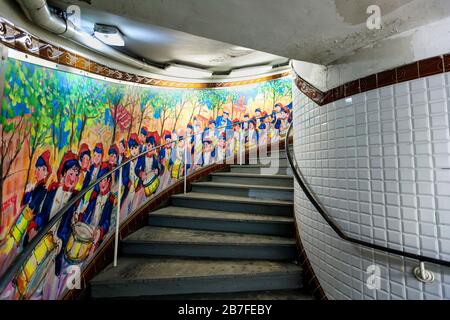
109	35
188	72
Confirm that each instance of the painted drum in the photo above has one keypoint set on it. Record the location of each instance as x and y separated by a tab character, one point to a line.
80	242
20	226
151	185
176	168
35	269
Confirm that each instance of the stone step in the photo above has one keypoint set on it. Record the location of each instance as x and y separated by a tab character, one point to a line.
233	203
253	179
200	219
138	276
260	169
244	190
162	241
274	162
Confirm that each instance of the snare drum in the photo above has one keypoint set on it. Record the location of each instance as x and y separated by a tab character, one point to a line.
80	242
176	168
19	228
35	268
151	185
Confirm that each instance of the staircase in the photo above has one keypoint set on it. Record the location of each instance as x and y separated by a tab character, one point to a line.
231	237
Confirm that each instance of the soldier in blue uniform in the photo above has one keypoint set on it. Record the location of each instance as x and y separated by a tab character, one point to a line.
35	194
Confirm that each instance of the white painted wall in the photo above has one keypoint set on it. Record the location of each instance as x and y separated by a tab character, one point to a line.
376	163
424	42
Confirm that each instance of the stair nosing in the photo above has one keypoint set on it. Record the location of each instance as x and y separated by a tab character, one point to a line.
240	186
165	215
118	281
240	200
252	175
216	244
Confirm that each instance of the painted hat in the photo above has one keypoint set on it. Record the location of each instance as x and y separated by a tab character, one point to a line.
104	169
190	125
68	161
226	112
44	160
155	136
134	140
99	148
246	115
167	135
144	131
113	149
257	110
278	104
84	149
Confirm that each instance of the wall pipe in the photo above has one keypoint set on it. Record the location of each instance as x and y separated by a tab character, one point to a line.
39	13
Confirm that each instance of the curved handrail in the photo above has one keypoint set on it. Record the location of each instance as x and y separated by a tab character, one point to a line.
22	257
332	223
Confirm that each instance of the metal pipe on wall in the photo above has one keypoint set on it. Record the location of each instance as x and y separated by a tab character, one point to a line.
39	13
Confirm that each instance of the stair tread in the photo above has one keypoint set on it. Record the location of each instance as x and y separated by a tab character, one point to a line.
299	294
152	234
252	175
173	211
139	269
241	186
228	198
257	165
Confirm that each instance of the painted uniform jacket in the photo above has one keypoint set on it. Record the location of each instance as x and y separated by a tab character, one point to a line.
105	219
35	197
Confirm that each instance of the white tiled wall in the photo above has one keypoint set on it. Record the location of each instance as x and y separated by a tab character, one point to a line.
376	161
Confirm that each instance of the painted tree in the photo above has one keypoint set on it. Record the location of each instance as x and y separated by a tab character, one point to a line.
94	105
191	96
145	107
115	95
275	89
178	101
36	100
214	99
162	103
14	125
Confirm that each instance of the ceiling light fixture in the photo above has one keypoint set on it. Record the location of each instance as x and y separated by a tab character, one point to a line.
109	35
188	72
250	71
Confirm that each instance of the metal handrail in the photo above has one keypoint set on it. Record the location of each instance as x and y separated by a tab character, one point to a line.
22	257
332	223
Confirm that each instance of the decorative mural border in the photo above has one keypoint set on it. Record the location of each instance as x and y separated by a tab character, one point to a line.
412	71
19	39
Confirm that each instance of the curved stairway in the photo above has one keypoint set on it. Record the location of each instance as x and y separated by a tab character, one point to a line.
231	237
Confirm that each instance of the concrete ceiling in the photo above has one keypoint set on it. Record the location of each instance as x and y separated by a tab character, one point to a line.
310	30
162	46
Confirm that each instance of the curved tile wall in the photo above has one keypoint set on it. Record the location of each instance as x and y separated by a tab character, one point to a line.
378	162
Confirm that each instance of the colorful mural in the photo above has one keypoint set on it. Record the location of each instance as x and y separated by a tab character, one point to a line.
61	131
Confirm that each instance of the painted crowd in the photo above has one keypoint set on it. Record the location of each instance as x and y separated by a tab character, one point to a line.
84	225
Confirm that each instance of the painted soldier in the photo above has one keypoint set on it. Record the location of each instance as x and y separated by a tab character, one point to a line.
223	123
150	177
258	116
123	151
252	135
209	154
101	203
84	156
132	172
34	196
143	135
197	141
177	161
59	193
